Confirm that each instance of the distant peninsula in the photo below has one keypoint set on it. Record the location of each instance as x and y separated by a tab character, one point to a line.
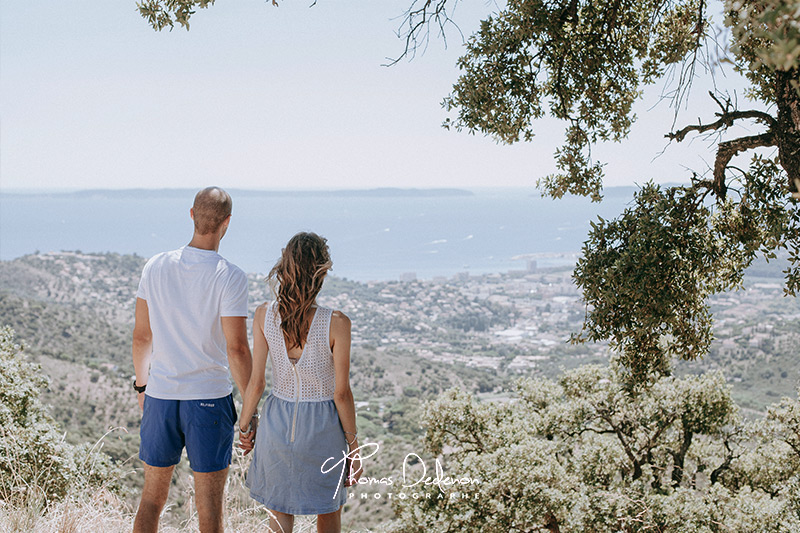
383	192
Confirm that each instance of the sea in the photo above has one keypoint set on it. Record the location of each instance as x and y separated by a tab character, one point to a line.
376	234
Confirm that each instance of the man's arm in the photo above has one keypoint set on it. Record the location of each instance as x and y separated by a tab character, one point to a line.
142	345
239	358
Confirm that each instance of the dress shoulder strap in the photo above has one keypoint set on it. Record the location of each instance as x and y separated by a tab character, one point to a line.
272	318
319	332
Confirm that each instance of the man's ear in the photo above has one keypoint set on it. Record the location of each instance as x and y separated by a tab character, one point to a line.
191	213
223	228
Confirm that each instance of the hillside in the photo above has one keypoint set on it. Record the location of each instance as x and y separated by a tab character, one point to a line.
411	341
74	312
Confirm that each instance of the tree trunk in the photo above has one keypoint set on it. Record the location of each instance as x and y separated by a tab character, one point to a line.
679	457
788	126
551	524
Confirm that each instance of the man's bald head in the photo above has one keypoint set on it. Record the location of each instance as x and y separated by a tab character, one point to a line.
211	207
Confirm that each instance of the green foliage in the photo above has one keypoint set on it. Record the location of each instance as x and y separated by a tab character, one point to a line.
584	454
163	13
646	276
767	38
582	62
35	460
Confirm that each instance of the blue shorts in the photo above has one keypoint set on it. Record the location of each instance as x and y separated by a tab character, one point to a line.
205	427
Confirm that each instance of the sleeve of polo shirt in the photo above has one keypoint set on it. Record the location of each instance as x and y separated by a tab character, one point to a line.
234	301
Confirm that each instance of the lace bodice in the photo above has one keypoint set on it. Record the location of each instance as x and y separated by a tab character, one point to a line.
312	378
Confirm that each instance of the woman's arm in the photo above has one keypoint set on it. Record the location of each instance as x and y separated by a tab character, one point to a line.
255	387
342	395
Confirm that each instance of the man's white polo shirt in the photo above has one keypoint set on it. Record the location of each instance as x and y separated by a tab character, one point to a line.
187	292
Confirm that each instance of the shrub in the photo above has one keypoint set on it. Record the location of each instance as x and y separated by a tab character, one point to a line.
35	460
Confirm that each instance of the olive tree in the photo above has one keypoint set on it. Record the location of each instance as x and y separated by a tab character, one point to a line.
583	454
646	275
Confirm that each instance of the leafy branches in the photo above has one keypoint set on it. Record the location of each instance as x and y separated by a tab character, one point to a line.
646	276
584	454
578	61
35	462
165	13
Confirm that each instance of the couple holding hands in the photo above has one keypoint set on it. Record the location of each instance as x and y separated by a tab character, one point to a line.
190	337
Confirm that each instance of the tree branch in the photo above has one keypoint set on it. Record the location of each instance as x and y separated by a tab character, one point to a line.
417	20
725	152
727	115
725	121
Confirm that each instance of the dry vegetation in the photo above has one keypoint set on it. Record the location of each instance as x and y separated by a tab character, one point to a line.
99	510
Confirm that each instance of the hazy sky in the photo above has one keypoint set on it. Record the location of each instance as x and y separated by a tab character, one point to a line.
263	97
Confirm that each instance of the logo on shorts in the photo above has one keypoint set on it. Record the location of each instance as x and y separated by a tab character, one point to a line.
205	404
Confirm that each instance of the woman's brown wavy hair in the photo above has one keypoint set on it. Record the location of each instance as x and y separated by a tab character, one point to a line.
299	274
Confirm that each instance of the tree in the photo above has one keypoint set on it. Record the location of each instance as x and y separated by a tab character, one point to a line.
35	462
645	276
582	454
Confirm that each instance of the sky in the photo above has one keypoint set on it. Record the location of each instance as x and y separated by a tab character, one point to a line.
263	97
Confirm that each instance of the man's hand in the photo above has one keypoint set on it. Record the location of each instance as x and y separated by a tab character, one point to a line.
141	400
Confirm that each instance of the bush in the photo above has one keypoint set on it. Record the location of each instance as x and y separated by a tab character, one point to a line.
35	460
585	453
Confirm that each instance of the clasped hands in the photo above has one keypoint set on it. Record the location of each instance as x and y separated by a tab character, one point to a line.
248	440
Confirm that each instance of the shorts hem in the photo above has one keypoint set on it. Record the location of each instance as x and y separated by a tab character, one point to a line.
206	470
158	464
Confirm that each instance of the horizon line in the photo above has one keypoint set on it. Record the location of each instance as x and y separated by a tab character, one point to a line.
72	190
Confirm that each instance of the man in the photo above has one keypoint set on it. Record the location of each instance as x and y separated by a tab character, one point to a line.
190	335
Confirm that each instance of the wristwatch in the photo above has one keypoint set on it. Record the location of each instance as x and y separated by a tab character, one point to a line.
137	388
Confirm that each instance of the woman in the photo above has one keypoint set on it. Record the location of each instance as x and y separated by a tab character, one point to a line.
309	418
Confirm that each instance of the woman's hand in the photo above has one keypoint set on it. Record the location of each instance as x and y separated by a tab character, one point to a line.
255	387
353	466
247	440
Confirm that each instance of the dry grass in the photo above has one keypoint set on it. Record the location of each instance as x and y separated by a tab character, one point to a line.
101	511
104	512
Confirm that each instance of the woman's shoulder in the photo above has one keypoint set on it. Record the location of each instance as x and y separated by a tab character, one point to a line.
263	309
329	311
339	319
